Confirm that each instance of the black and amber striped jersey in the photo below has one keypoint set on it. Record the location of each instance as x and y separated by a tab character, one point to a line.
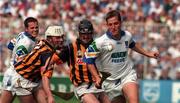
35	64
73	55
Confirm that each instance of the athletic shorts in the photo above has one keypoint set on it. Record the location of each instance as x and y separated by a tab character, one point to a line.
86	88
114	87
18	85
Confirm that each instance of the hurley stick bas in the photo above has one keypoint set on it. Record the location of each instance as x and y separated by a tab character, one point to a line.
104	76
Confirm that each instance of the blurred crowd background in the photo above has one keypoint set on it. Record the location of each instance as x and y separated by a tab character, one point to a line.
153	23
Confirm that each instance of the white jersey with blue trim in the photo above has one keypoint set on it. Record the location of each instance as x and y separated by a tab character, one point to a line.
111	55
21	46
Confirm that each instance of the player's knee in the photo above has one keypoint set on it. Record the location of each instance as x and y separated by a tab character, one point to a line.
119	99
133	100
88	98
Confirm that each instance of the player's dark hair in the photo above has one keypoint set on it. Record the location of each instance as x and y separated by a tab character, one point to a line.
113	13
29	19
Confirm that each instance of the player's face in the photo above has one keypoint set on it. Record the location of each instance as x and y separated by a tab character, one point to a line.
114	25
33	29
57	41
86	38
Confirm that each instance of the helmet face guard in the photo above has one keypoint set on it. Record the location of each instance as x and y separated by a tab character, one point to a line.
55	36
85	31
85	27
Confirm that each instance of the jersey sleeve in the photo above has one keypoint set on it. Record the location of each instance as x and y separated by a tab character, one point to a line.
48	73
132	41
91	53
11	44
46	69
56	59
64	55
22	47
132	44
21	51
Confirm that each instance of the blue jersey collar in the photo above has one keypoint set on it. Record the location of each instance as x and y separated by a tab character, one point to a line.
109	34
30	36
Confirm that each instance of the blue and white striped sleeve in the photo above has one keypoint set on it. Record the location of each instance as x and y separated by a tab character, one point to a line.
91	54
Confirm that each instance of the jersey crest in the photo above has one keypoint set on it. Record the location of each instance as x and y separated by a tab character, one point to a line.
79	60
126	44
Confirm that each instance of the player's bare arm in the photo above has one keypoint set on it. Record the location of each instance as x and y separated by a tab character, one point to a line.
95	74
151	54
46	86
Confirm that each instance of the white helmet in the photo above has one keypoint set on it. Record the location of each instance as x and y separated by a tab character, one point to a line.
54	31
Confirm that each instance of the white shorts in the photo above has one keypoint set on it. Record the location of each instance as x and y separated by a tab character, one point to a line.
86	88
18	85
114	87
